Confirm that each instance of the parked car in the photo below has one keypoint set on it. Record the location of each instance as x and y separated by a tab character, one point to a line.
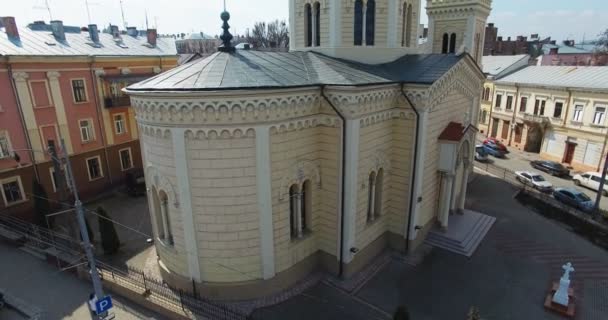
534	180
591	180
480	154
551	167
497	143
493	151
574	198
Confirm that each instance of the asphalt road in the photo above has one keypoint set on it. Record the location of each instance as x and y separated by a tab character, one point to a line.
520	161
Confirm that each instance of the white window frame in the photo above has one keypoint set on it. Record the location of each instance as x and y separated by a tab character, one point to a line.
86	92
555	107
89	168
602	118
580	115
124	123
53	183
130	159
4	154
513	103
9	180
90	130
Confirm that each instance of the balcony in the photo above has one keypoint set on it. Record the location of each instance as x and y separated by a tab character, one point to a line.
114	102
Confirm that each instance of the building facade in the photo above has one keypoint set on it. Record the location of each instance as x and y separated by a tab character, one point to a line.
284	163
495	45
557	111
64	83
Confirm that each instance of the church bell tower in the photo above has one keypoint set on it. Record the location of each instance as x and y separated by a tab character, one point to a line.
458	25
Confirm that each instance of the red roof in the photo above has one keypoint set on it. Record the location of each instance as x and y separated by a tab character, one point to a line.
453	132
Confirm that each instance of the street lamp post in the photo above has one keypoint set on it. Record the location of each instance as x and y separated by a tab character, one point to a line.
88	248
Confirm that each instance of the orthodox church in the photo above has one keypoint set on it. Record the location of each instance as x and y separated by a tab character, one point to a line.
262	167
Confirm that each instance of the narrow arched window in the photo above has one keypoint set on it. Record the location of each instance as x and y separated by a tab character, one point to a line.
378	194
405	22
308	24
445	43
371	192
370	23
306	204
294	197
408	27
358	22
166	218
453	43
317	13
158	216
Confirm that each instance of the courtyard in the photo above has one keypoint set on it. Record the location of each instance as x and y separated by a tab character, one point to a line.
507	278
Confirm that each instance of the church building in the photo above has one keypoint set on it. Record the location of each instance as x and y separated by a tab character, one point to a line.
263	167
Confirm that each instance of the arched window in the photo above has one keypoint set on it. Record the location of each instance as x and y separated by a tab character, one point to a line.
408	27
162	217
294	196
370	22
378	194
486	95
306	205
371	192
405	22
445	43
453	43
358	22
317	15
308	25
484	116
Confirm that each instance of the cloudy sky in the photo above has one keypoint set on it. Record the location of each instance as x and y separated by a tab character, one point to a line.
557	18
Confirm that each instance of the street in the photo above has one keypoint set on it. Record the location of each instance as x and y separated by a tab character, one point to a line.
520	161
60	295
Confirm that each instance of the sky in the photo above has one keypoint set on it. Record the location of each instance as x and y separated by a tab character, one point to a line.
560	19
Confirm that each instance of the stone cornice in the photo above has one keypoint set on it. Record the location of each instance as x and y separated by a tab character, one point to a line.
53	75
353	102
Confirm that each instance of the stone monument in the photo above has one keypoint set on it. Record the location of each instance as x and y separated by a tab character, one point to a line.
561	295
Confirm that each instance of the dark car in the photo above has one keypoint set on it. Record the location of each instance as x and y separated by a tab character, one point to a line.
574	198
551	167
493	150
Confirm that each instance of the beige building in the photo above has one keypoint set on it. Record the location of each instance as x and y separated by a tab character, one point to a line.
496	67
557	111
265	166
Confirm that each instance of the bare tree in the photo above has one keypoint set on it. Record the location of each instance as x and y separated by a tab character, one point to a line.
272	35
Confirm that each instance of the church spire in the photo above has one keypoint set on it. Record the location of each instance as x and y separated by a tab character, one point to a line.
226	37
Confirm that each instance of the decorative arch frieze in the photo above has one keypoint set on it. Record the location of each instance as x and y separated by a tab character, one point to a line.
354	104
301	171
460	78
157	180
378	160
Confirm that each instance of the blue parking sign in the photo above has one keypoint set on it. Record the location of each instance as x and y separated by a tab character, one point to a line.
103	305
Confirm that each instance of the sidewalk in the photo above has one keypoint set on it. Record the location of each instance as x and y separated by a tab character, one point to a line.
59	294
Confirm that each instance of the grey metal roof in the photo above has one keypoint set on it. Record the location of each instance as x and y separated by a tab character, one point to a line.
497	65
567	49
561	76
43	43
256	69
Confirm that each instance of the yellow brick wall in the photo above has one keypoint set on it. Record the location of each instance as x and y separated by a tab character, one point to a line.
158	153
450	26
329	147
451	109
224	204
401	162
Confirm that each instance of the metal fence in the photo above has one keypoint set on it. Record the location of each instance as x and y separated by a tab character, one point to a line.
156	290
510	177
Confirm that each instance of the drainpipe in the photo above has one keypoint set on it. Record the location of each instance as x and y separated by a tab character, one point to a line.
412	189
99	118
342	196
22	118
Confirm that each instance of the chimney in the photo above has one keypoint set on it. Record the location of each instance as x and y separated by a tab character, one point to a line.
509	39
553	50
152	37
93	33
499	38
132	31
57	29
114	31
491	25
10	26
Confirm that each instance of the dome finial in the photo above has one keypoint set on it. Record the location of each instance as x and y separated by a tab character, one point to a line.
226	37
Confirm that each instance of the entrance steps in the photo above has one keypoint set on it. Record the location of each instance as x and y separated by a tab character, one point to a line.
465	233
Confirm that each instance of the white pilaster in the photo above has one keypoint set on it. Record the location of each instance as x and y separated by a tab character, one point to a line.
292	25
27	107
445	199
185	202
264	192
335	24
393	13
463	186
419	170
469	36
60	112
350	188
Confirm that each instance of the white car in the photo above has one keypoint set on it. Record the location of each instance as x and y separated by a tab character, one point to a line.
590	180
534	180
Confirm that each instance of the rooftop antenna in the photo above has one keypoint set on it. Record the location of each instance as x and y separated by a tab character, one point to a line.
147	19
88	4
122	12
46	7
